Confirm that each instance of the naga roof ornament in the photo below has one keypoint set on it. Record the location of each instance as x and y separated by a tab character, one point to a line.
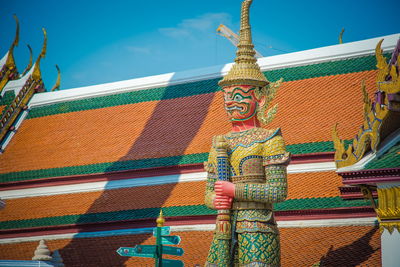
381	116
8	69
30	61
33	84
36	75
58	81
245	70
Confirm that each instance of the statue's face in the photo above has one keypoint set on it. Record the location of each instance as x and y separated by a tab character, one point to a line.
240	102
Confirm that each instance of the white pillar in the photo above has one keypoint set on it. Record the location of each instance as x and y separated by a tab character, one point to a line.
388	211
390	244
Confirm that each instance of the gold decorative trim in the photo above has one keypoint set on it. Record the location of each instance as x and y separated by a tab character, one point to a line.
269	91
37	76
379	119
30	61
389	208
341	36
58	81
32	85
245	71
390	226
9	70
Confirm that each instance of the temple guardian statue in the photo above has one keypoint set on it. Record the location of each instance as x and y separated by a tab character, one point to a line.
247	166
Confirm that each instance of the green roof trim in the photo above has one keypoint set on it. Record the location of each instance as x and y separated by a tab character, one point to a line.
292	204
390	159
305	148
7	98
359	64
104	167
337	67
319	203
154	94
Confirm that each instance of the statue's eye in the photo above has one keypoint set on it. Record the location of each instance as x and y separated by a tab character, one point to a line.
238	98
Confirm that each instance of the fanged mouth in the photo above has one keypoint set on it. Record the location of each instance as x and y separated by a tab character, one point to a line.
232	108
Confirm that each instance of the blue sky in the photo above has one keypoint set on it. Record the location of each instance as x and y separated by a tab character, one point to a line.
100	41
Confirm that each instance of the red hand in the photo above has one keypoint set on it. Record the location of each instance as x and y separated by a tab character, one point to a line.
223	188
222	202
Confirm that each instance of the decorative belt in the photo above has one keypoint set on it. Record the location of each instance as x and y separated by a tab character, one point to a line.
255	178
250	205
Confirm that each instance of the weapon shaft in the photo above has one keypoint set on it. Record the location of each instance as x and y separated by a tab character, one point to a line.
224	227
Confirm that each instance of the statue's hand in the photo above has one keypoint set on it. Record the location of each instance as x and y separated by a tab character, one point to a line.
222	202
223	188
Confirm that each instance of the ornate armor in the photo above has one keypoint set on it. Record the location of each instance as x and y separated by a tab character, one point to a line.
246	167
258	160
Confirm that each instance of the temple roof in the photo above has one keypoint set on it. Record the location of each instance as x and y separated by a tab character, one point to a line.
176	199
357	246
3	60
126	125
390	159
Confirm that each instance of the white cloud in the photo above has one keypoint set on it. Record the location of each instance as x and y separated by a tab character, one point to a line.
138	49
205	23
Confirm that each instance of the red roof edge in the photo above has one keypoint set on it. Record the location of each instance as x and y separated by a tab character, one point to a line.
371	177
140	173
313	157
99	177
354	192
291	215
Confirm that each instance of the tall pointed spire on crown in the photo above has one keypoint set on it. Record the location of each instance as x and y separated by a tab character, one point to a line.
245	70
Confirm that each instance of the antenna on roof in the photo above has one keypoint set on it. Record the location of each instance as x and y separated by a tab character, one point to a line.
341	36
231	36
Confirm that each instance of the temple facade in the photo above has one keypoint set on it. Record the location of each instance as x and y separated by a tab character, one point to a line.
89	169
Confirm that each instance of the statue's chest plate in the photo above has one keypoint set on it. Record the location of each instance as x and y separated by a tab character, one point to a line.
246	161
246	152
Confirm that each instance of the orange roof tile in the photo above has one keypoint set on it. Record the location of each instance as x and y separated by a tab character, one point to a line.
314	184
301	185
332	246
181	194
308	109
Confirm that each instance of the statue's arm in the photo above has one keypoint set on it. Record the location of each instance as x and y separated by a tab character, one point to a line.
210	167
275	187
210	193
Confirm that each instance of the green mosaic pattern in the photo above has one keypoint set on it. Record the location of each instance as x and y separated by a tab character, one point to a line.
104	167
316	147
7	98
319	203
155	94
292	204
307	148
365	63
143	163
391	159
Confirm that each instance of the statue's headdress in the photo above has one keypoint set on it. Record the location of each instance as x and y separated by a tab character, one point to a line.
245	70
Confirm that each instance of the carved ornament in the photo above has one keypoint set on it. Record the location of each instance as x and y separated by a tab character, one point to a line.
381	117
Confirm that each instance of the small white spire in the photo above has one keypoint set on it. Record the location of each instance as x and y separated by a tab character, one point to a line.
2	204
42	252
57	260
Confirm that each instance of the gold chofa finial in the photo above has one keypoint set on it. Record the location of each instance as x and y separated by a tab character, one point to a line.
245	70
341	36
160	220
16	39
36	75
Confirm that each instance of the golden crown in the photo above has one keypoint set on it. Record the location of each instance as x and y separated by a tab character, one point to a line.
245	70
